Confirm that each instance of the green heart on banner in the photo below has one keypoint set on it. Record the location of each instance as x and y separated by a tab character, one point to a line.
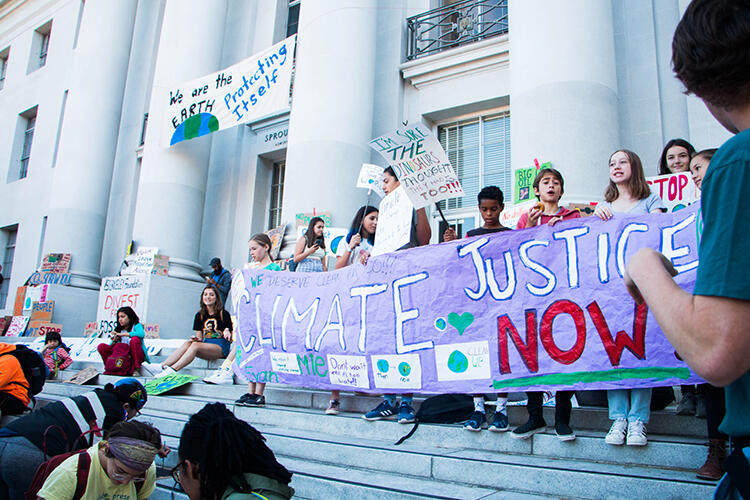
462	322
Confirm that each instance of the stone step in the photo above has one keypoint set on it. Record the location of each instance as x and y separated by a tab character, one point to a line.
582	418
345	455
678	452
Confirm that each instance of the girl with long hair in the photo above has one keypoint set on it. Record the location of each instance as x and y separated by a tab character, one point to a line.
222	456
675	157
212	328
129	330
629	193
310	251
355	248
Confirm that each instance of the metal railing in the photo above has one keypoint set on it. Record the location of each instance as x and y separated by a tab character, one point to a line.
456	24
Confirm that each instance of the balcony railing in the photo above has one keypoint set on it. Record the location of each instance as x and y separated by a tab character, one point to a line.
454	25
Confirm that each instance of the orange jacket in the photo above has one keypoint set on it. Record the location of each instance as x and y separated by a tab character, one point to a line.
12	379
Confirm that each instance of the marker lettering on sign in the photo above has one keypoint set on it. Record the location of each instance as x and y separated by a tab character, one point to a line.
404	315
291	309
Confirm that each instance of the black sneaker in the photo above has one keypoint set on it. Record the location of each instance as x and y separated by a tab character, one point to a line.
564	432
246	400
528	429
260	400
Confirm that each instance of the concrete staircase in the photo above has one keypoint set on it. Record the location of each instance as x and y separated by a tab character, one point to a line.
346	457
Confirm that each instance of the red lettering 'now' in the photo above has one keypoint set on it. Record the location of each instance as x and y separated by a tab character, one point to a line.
614	347
529	351
545	331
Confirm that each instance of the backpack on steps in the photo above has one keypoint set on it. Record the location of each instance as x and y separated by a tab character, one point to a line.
120	362
442	409
32	364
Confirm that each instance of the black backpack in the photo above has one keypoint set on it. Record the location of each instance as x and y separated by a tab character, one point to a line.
442	409
32	364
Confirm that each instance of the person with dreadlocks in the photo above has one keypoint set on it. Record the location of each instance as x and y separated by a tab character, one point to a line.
225	458
122	466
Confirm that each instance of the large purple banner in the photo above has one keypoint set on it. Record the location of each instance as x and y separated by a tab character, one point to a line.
542	308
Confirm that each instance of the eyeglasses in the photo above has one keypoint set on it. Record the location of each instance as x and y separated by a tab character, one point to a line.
123	476
176	471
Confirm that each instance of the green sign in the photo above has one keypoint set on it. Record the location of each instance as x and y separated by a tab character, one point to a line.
524	178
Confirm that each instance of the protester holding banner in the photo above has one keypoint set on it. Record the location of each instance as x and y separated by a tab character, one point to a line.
699	165
213	329
310	251
359	244
260	248
420	235
675	157
490	201
549	187
129	330
628	192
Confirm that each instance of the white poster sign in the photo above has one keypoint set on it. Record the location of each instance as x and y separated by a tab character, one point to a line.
397	371
466	361
333	237
371	178
676	190
120	291
394	222
420	163
348	370
140	262
253	88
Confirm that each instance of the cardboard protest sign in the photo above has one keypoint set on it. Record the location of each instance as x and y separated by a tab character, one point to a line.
677	191
534	309
394	222
49	278
371	178
42	311
42	328
119	291
420	163
20	299
58	263
17	326
303	219
510	215
140	262
253	88
333	237
90	329
151	331
34	294
4	323
82	377
167	383
161	265
523	180
276	235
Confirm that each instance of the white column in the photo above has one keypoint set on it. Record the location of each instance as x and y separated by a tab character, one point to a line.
331	120
172	186
563	99
83	172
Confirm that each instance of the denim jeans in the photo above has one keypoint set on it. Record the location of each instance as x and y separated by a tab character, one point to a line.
631	404
19	459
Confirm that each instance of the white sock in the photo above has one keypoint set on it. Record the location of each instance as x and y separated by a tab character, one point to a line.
226	365
479	403
501	403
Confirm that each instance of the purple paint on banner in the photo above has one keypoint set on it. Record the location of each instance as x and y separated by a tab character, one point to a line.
542	308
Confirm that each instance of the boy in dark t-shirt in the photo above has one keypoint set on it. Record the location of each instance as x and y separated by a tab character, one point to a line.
490	200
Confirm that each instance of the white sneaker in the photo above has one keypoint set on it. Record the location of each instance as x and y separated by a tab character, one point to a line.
637	433
166	371
220	376
149	369
616	434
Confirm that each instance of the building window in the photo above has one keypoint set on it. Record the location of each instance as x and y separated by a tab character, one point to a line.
277	195
479	150
40	47
292	19
10	234
3	65
28	137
